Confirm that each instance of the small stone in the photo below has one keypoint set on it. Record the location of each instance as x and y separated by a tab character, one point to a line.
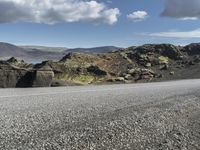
131	71
148	65
128	77
119	79
172	73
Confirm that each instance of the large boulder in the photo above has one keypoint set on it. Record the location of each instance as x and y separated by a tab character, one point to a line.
37	77
43	76
14	76
10	75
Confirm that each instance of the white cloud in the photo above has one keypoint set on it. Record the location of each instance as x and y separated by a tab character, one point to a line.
54	11
138	16
182	9
177	34
189	18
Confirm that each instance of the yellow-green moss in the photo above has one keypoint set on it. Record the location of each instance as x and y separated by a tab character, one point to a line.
163	60
80	79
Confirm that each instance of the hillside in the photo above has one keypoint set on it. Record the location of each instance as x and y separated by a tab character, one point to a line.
30	55
146	63
8	50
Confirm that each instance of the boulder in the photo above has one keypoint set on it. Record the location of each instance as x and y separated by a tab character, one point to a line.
131	71
9	75
42	77
13	76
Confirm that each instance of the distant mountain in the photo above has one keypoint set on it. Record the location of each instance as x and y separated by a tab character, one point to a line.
44	48
7	50
103	49
30	55
41	53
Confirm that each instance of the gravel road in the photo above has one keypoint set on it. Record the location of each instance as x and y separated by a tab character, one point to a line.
115	117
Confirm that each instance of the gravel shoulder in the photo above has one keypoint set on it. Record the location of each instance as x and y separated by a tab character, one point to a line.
162	115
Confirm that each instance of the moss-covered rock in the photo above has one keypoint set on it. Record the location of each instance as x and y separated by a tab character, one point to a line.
163	60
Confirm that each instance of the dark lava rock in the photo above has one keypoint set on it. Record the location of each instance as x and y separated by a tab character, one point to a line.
14	60
197	58
171	51
96	70
164	67
68	56
192	49
168	50
191	63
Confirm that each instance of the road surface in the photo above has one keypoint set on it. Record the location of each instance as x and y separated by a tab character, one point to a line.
133	116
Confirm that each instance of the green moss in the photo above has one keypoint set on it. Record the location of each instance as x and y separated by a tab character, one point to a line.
83	79
163	60
80	79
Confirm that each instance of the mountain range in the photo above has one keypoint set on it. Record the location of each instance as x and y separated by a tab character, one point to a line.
41	53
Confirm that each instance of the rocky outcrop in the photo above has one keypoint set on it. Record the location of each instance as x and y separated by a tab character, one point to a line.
14	60
10	75
42	76
192	49
151	51
14	76
141	74
96	71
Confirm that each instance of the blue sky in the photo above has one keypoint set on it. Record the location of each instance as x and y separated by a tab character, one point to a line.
119	23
